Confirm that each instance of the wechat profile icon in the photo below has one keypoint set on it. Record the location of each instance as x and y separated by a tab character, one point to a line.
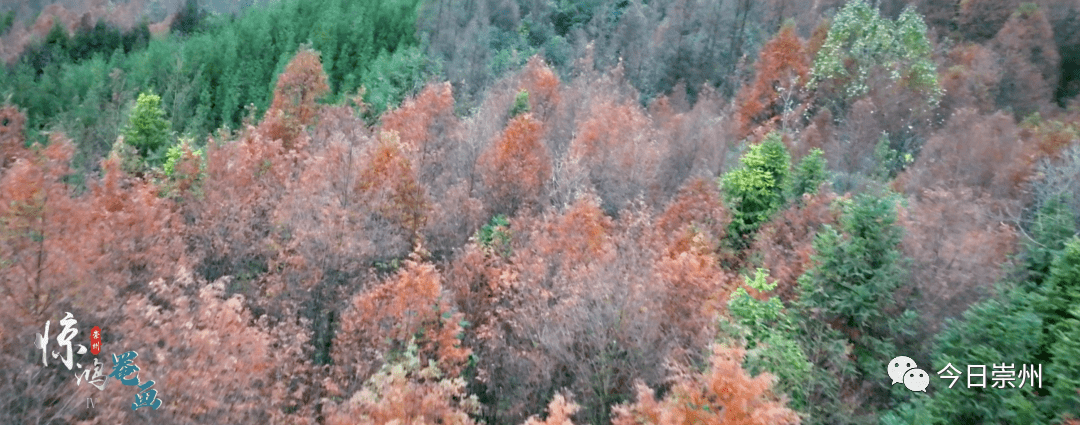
904	370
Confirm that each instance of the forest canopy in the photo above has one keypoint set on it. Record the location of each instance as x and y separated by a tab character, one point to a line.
544	212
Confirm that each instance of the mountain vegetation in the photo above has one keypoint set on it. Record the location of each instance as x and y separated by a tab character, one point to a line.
545	212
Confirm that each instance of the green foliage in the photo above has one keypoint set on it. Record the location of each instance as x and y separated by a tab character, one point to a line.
1031	322
189	19
207	78
521	104
393	76
1062	319
7	21
811	172
768	333
890	161
856	274
495	236
1054	223
994	331
756	190
861	42
172	157
148	131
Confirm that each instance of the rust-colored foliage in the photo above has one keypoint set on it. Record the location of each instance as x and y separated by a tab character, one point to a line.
543	87
694	289
696	215
559	412
972	78
1047	138
293	106
406	397
957	243
12	144
67	253
64	253
517	167
785	243
433	136
409	307
322	222
44	259
420	121
581	233
775	94
245	180
134	234
1029	61
617	145
589	303
208	361
388	185
980	152
725	395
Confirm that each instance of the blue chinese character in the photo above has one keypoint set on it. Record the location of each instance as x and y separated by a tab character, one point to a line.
146	399
123	367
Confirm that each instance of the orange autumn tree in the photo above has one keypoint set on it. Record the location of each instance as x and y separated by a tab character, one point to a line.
381	323
432	137
12	144
542	84
691	230
725	395
517	167
616	144
389	186
782	69
293	106
42	264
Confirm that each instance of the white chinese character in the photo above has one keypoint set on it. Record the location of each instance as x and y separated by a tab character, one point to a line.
982	375
1029	374
98	380
954	374
42	342
65	337
1003	374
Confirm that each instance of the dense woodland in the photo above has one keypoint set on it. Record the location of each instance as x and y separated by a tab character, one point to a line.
543	211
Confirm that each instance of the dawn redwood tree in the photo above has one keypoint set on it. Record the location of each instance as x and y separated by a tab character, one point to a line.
517	167
12	143
388	184
972	74
42	266
414	301
543	86
616	145
785	243
1031	65
984	153
957	244
776	93
293	107
723	395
